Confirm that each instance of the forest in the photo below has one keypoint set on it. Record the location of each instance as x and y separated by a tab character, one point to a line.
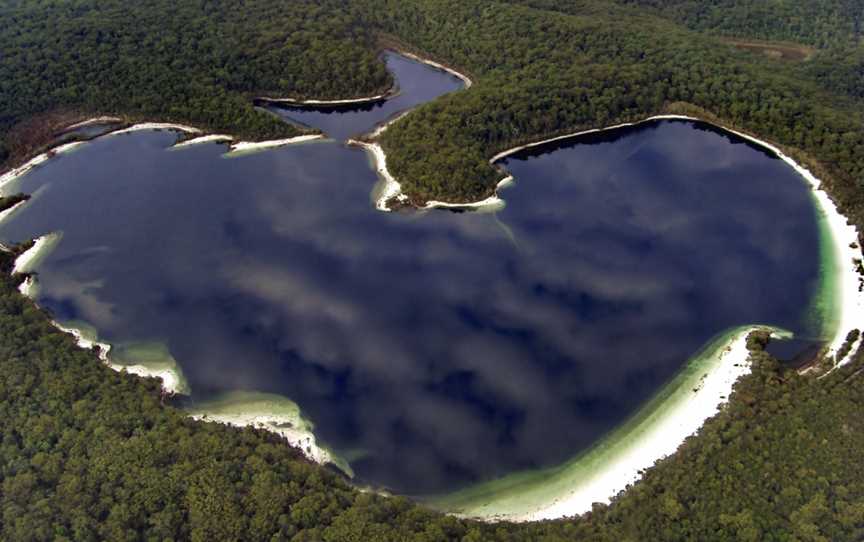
90	454
197	63
825	23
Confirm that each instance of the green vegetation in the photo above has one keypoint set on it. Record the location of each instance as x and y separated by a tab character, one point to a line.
597	63
87	453
92	454
840	70
590	71
189	62
822	23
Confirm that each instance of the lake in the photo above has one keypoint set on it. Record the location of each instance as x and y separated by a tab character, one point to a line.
431	350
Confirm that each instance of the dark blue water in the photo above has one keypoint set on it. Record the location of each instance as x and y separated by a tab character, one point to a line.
439	349
417	83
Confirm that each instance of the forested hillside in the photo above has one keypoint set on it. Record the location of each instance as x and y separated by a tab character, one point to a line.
546	67
89	454
190	62
823	23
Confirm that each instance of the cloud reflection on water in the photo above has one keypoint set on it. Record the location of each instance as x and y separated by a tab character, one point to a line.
431	341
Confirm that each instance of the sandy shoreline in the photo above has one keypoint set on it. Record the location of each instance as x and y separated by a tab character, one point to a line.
845	312
14	173
212	138
370	99
274	413
154	126
245	147
849	314
554	498
236	148
30	258
349	101
616	461
381	128
391	188
844	237
8	212
172	380
465	79
492	203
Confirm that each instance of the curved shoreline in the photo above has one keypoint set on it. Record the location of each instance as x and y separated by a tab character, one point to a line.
465	79
843	311
270	412
390	93
618	459
173	381
30	258
236	147
245	147
284	418
325	103
168	370
843	277
392	189
14	173
10	211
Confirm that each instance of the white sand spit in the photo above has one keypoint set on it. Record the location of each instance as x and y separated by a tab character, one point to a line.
30	258
294	101
246	147
155	126
847	252
611	466
212	138
8	212
391	188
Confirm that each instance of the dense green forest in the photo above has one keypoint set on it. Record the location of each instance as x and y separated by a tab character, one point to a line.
823	23
90	454
195	62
